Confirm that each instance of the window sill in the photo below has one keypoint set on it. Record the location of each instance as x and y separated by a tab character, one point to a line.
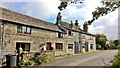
70	49
23	34
58	50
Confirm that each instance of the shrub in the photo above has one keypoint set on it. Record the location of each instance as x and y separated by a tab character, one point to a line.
37	60
116	61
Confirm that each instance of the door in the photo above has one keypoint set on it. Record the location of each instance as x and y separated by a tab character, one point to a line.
86	46
77	47
25	47
48	46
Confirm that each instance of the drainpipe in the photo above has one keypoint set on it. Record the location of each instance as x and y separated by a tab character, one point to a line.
2	38
80	41
2	29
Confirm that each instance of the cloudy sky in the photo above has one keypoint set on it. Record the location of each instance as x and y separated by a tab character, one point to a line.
47	10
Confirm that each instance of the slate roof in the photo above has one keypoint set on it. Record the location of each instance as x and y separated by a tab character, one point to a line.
27	20
66	25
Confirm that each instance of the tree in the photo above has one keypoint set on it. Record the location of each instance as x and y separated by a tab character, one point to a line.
116	42
100	11
101	40
112	45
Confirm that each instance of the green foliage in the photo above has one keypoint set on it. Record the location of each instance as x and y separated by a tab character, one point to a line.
101	11
101	40
38	58
112	45
48	59
116	42
63	5
98	46
27	62
116	61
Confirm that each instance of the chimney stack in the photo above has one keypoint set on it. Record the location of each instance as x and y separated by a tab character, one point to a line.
71	25
76	22
85	27
58	19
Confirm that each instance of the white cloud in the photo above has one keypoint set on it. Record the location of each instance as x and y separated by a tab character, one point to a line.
83	12
108	25
43	9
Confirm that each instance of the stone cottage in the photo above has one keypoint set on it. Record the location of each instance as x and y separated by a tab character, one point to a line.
78	39
30	33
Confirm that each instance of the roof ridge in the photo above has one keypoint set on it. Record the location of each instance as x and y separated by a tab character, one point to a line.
26	15
26	19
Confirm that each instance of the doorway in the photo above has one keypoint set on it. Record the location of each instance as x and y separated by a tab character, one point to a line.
86	46
48	46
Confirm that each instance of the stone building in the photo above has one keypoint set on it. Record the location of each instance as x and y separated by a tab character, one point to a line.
30	33
78	39
88	42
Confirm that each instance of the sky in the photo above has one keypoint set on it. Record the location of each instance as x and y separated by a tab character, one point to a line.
47	10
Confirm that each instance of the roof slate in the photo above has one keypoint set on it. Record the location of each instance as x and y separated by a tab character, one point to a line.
27	20
66	25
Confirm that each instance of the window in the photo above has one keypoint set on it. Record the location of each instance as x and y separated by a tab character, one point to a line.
91	46
60	35
23	29
25	46
70	33
19	29
91	38
70	46
28	30
59	46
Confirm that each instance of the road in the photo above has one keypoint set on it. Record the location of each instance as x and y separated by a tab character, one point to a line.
100	58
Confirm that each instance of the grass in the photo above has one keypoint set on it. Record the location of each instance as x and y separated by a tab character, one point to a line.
70	55
43	60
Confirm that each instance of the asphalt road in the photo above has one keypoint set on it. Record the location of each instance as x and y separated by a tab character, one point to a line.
101	58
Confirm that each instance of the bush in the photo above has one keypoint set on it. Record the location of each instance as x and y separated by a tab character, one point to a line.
37	60
27	63
116	61
98	46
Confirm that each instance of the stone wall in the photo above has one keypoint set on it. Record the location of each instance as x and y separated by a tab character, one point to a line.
90	39
36	38
71	40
